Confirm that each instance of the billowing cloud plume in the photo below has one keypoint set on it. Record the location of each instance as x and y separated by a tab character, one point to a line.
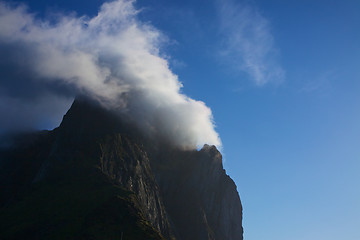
248	43
113	58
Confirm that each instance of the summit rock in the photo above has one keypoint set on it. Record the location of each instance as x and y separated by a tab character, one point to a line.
97	176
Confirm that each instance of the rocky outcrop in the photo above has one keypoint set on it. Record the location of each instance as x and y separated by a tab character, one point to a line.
171	193
127	164
202	201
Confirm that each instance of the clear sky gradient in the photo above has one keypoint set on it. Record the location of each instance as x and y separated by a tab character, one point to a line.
283	81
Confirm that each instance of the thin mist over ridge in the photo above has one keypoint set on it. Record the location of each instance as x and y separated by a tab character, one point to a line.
112	58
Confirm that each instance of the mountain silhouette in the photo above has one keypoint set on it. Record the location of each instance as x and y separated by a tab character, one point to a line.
98	176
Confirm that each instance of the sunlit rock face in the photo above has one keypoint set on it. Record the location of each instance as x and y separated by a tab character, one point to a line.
98	165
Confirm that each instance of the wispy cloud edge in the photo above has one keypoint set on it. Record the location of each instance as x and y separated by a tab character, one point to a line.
248	43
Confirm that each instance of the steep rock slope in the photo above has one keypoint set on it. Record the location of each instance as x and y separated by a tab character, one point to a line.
98	177
202	201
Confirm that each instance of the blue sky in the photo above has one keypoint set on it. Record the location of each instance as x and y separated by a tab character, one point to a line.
282	79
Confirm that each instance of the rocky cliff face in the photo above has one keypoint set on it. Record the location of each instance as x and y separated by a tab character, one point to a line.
104	168
202	201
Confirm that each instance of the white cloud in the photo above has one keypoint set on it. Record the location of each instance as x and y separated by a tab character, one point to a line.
114	58
248	44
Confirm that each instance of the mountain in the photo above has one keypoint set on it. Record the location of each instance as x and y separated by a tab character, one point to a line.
97	176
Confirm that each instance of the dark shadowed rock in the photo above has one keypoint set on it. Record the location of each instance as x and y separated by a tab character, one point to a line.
97	177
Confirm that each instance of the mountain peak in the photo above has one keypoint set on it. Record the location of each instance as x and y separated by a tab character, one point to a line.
97	162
